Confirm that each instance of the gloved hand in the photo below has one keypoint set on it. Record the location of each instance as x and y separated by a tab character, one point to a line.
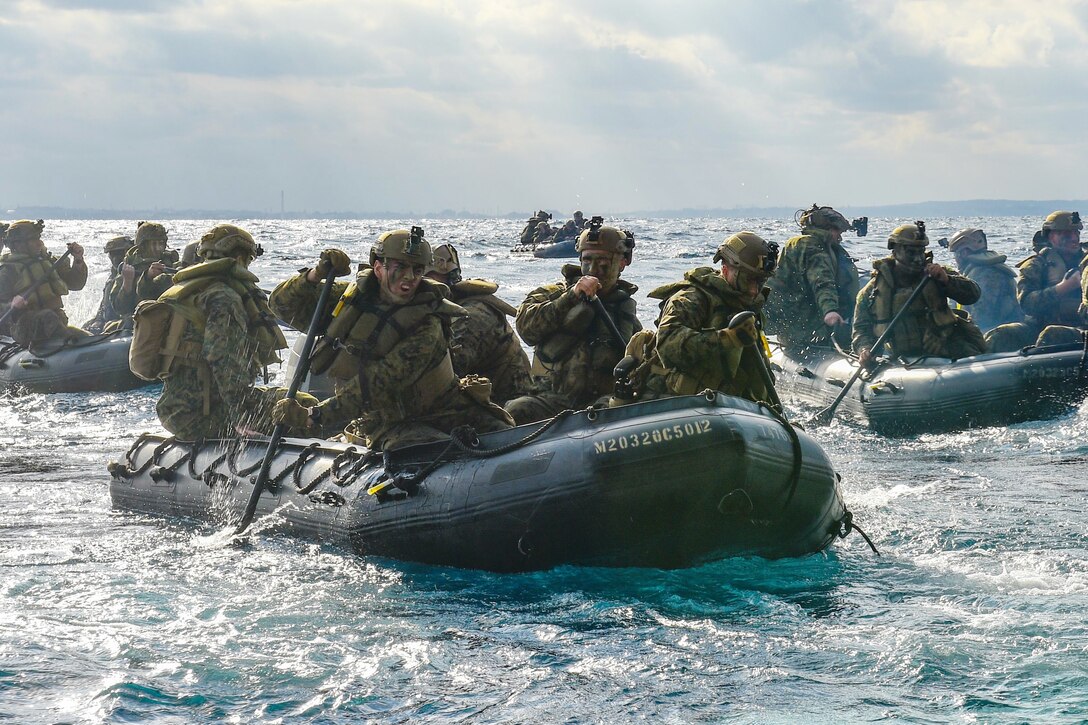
333	259
290	413
742	335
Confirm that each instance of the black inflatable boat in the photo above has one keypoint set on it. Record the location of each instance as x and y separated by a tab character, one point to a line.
667	483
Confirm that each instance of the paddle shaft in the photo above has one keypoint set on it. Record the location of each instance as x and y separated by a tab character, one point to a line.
34	286
292	389
602	313
825	415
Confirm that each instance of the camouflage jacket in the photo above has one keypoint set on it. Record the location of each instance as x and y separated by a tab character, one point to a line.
573	349
484	343
688	344
143	287
815	276
997	281
885	294
1039	300
230	351
398	384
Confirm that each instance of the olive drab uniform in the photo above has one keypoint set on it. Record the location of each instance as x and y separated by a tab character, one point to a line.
390	363
483	342
143	288
1043	307
688	344
815	276
214	356
106	312
998	304
43	318
930	327
574	351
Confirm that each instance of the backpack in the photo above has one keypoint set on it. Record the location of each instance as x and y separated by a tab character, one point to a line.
157	338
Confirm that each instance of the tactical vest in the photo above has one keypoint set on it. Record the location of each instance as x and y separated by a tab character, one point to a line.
1056	269
29	270
161	326
558	348
740	374
363	328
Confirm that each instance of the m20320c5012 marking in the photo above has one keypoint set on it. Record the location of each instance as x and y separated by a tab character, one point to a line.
650	437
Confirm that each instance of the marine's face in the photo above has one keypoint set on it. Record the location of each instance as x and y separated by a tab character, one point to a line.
438	277
1066	242
398	279
605	266
749	285
154	248
30	246
117	257
836	235
911	258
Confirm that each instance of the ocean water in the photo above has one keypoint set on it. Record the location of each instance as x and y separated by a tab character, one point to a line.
973	612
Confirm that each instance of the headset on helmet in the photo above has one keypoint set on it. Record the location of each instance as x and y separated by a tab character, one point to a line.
444	260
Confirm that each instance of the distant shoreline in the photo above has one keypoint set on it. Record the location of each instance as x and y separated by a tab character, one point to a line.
925	209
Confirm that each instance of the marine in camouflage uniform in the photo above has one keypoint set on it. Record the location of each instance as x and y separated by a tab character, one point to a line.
115	249
208	391
32	290
930	326
695	346
1049	288
142	276
387	349
998	304
575	351
483	342
815	286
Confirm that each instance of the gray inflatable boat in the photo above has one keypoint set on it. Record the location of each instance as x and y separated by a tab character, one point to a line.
96	363
932	395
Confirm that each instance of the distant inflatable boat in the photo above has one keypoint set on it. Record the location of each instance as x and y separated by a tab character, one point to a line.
666	483
548	251
96	363
932	395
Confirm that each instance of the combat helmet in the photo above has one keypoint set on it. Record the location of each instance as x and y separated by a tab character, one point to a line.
118	244
605	238
822	217
227	240
1063	221
149	232
24	231
911	235
749	252
406	245
966	236
444	260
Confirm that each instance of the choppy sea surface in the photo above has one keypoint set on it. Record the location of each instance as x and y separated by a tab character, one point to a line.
973	612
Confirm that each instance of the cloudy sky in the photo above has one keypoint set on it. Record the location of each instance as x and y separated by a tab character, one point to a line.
614	105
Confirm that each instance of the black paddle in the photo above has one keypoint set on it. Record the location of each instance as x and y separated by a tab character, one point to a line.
34	286
824	416
599	308
764	365
277	432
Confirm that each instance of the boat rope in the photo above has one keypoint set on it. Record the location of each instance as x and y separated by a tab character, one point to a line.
465	439
795	447
846	524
